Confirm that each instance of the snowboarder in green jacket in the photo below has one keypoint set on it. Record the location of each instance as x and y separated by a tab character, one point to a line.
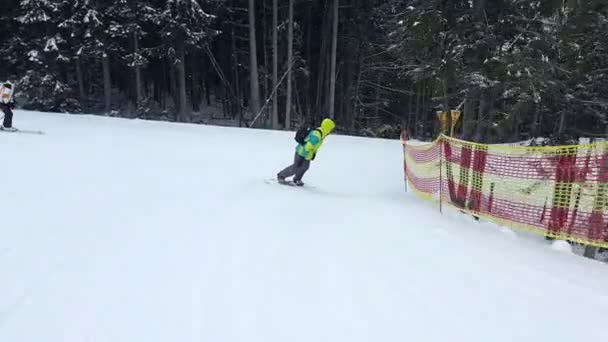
309	142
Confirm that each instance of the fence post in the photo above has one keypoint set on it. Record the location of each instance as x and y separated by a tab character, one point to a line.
403	138
440	141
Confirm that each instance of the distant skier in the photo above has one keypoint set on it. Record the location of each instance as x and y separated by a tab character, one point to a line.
7	103
309	142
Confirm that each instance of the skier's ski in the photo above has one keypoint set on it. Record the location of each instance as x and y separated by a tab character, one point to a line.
24	131
8	130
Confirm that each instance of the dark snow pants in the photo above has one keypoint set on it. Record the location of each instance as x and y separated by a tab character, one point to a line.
297	169
8	115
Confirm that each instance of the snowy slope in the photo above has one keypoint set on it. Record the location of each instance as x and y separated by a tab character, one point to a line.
122	230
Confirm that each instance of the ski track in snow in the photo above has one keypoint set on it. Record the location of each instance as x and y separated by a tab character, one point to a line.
127	230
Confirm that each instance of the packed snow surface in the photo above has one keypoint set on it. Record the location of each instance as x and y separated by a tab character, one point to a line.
127	230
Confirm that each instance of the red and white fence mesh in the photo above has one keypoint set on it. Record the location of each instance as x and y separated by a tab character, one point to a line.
555	191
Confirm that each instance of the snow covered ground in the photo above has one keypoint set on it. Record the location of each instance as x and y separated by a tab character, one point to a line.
125	230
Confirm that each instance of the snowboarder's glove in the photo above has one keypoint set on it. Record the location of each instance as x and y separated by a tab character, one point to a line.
314	155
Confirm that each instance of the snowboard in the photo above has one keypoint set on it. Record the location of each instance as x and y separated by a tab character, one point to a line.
287	183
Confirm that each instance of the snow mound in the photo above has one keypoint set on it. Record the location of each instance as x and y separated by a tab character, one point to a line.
562	246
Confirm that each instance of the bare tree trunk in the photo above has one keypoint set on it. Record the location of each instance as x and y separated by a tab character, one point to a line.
138	83
173	93
347	100
181	77
299	101
480	7
107	83
195	82
309	101
205	81
334	49
410	111
275	63
267	91
423	110
159	84
418	106
139	87
491	135
535	120
518	114
80	78
289	62
377	98
253	62
562	122
321	72
467	114
237	82
358	85
446	104
480	117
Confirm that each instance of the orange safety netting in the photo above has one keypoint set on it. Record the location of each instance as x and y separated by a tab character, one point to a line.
556	191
